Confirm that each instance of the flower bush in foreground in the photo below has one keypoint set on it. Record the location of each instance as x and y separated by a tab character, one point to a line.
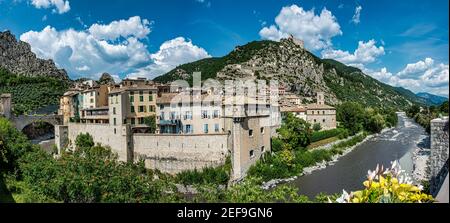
387	186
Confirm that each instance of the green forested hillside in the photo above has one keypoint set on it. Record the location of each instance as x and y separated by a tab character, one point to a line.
31	93
210	66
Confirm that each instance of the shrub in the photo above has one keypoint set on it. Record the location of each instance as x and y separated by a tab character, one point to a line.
208	175
317	127
317	136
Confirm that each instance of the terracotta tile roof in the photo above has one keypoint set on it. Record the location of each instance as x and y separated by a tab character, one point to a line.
317	106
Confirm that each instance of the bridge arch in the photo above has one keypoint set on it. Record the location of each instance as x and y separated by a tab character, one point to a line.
23	121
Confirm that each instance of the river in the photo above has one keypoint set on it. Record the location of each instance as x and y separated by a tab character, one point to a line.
350	171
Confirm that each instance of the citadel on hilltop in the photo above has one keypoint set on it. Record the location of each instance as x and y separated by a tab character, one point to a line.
180	128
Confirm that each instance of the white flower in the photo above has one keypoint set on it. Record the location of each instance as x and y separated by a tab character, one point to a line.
345	197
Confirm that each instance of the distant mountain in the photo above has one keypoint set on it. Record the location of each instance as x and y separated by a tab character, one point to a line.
17	57
299	71
432	99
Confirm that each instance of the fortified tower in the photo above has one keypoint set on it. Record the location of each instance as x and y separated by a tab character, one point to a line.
320	98
5	105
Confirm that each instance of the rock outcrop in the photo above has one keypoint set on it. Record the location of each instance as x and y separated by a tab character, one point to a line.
106	79
17	57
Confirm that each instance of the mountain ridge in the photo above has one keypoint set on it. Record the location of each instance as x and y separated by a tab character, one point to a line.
300	71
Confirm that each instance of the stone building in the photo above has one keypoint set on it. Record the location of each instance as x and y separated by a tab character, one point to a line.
321	113
194	129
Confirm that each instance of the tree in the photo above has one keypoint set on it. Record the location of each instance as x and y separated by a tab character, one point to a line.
295	131
84	141
317	127
375	123
151	123
351	116
413	110
444	107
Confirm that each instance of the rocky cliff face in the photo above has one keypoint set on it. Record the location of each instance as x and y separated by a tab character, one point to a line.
106	79
289	63
17	57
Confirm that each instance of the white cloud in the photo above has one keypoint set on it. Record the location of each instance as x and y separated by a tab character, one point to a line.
367	52
134	26
61	6
315	30
423	76
171	54
357	15
76	51
415	68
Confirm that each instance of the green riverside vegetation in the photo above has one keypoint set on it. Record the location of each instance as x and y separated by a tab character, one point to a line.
289	151
423	116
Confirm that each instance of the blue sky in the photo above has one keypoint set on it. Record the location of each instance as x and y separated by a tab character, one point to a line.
403	43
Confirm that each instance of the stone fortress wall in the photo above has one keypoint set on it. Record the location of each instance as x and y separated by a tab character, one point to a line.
175	153
438	162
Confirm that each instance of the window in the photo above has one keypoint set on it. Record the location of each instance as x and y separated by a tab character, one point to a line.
115	122
92	100
188	129
115	131
216	114
141	92
205	128
315	121
161	107
252	153
188	115
141	108
323	120
114	111
111	100
216	127
161	116
250	132
151	108
150	97
117	99
141	98
131	92
132	109
323	112
92	93
173	116
204	114
263	149
141	121
262	130
133	121
131	98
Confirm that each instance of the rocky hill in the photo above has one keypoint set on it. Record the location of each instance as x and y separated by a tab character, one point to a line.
299	71
17	57
106	79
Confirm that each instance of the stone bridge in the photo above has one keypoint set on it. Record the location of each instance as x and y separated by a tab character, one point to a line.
20	122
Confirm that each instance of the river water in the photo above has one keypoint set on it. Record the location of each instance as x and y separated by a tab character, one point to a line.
350	171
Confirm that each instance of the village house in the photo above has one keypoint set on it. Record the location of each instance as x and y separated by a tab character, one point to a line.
194	128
